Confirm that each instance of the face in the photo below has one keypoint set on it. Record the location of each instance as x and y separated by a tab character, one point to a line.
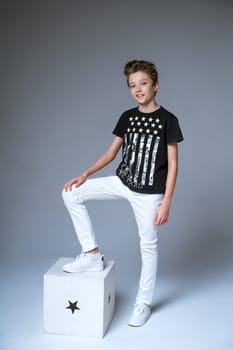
142	88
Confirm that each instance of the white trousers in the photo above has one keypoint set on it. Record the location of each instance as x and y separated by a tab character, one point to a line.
144	207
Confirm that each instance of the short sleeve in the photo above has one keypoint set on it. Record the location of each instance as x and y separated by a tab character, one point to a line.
120	127
173	130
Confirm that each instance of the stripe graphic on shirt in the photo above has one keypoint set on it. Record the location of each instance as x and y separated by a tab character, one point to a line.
141	145
127	147
154	152
146	159
134	146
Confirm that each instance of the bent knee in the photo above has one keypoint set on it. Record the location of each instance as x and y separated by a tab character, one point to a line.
71	197
67	195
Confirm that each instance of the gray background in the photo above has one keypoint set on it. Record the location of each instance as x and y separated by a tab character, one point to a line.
62	91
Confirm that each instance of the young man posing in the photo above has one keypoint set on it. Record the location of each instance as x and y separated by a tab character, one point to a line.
146	177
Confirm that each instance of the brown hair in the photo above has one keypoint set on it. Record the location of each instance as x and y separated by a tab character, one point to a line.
140	65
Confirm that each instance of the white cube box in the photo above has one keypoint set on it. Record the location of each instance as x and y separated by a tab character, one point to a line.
78	304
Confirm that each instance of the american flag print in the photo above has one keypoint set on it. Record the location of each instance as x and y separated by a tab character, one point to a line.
141	142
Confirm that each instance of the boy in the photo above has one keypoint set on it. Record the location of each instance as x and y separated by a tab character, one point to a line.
146	177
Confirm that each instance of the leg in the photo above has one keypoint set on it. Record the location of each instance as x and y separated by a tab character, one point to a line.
144	207
98	188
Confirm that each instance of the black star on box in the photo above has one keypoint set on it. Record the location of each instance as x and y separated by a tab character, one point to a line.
73	306
109	298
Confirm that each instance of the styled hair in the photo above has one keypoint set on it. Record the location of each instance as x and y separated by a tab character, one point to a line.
140	65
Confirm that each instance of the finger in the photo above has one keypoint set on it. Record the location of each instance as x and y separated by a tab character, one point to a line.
73	183
160	221
163	220
79	183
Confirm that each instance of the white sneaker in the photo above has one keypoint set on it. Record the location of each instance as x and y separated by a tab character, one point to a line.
86	262
140	315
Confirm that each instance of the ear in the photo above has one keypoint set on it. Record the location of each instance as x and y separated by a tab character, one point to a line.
156	86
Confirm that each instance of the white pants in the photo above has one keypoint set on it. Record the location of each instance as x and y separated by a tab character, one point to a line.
144	207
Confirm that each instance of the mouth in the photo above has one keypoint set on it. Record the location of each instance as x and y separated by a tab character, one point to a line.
139	95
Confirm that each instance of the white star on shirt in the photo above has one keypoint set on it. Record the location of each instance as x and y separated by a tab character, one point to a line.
157	138
155	132
140	130
130	118
134	129
128	129
157	120
160	126
136	118
145	124
153	125
150	120
138	123
147	130
132	123
143	118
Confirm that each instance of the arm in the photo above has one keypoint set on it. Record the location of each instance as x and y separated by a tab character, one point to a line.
101	162
161	215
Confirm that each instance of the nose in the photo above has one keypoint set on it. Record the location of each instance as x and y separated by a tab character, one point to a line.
138	88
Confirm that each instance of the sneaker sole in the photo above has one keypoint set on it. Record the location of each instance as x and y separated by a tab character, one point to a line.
141	324
137	325
89	269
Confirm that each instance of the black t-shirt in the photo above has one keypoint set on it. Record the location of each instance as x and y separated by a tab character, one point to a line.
144	164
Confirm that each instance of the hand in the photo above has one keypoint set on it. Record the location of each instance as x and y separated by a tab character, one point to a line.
161	215
77	181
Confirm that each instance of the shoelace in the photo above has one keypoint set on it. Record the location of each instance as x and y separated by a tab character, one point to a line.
139	307
80	256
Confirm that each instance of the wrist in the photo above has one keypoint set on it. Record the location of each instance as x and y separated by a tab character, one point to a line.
166	202
85	174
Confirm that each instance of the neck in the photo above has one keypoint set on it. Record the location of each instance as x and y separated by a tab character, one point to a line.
149	108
